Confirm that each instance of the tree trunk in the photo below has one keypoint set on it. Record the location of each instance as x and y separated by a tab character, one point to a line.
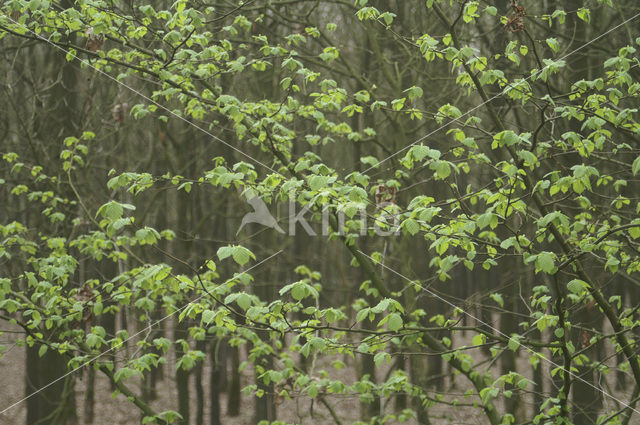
233	402
418	370
215	384
89	400
182	376
202	346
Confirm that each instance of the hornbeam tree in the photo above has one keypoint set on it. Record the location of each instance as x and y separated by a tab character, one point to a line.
444	229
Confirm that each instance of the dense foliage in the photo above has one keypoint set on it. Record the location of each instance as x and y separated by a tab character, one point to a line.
454	186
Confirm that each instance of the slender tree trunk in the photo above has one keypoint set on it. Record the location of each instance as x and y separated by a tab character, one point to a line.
89	397
233	402
215	384
587	399
401	398
265	407
418	370
202	346
182	376
368	368
508	326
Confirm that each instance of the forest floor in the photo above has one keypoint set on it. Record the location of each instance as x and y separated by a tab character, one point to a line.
117	410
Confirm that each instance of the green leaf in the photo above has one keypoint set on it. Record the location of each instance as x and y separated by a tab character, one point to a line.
635	167
93	340
208	316
513	343
484	220
394	322
398	104
243	301
312	391
362	314
479	339
124	373
285	83
577	286
318	182
612	264
299	291
634	232
388	17
242	255
411	226
211	265
147	10
443	169
545	262
498	298
584	14
553	43
224	252
381	357
414	92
